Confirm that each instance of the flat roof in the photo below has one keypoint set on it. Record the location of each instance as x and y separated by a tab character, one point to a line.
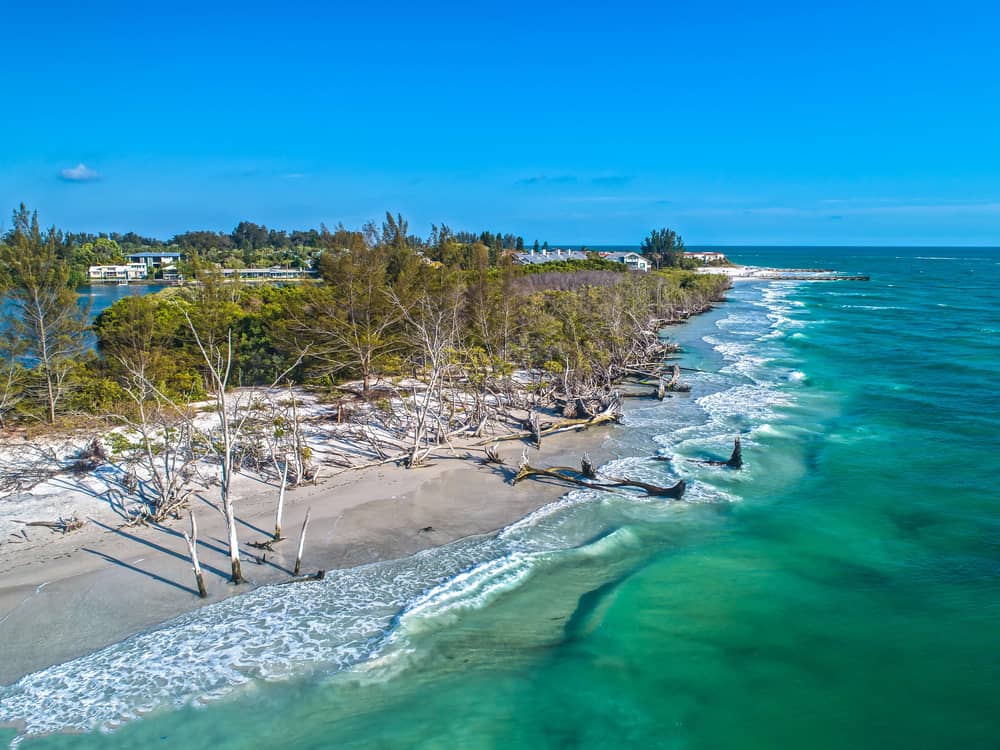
154	255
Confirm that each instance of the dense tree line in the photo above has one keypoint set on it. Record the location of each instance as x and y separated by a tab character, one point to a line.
370	318
256	245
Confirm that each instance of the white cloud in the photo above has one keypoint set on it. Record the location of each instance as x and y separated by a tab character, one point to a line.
80	173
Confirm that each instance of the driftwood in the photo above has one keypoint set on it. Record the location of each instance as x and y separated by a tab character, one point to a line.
493	455
610	414
735	460
577	408
90	457
534	428
658	394
62	525
584	478
319	575
675	383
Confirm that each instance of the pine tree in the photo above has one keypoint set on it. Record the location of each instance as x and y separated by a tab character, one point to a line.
48	325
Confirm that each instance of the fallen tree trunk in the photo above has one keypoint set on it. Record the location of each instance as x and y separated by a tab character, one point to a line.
319	575
675	383
579	478
611	414
63	525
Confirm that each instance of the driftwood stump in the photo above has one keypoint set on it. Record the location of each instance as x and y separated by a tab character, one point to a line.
735	460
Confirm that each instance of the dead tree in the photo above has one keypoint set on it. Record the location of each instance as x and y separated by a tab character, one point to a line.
735	460
12	380
433	324
192	543
232	415
161	461
580	479
675	383
281	503
493	455
302	544
611	413
62	525
534	428
90	457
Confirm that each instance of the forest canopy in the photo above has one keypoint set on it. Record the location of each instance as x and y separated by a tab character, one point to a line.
359	321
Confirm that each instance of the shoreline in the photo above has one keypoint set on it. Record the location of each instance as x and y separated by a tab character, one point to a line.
86	590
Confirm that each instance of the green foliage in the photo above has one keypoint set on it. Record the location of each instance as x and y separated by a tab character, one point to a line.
664	247
94	392
119	445
45	324
568	318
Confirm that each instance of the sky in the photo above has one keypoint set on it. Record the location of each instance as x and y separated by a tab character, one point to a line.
730	122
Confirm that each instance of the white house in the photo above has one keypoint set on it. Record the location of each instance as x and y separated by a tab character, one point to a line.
155	260
634	261
547	256
706	257
274	273
129	272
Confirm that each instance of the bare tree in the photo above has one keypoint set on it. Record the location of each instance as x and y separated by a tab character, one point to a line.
232	412
162	462
302	544
192	543
433	323
12	376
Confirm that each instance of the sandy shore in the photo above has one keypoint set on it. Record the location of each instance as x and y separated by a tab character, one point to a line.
77	593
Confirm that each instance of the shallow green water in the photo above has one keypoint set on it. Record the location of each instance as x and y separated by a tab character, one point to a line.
842	591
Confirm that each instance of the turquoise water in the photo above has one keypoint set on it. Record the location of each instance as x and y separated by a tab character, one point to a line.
841	591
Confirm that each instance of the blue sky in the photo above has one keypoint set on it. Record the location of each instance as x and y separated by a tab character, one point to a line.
589	122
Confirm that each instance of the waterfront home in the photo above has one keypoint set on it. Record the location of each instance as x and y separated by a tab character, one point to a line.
128	272
706	257
537	257
274	273
634	261
154	261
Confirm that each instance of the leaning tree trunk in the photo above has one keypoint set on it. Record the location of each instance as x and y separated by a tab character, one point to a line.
281	502
192	543
234	542
302	544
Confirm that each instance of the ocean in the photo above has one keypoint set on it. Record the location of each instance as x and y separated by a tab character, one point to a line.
842	590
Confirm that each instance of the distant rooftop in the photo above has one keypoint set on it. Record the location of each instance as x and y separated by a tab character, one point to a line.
154	255
549	256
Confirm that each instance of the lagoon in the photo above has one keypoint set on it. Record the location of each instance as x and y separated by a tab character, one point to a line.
101	296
